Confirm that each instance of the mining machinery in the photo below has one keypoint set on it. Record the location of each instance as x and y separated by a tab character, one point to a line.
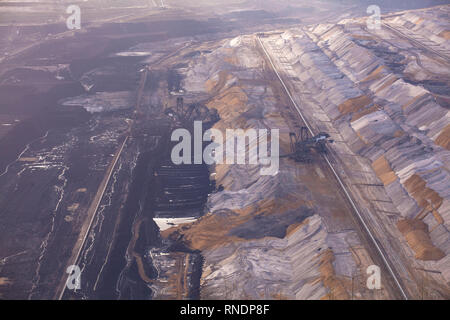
185	115
303	147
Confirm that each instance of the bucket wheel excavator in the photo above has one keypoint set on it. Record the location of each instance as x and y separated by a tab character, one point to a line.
185	115
303	147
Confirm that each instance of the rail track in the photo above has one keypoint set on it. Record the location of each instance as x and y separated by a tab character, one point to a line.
365	227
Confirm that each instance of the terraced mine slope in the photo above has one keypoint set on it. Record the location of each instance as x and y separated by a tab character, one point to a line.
383	96
259	229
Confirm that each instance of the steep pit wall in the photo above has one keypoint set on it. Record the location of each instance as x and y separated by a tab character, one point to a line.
263	236
386	129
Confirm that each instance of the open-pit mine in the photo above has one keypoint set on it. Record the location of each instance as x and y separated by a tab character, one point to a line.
361	188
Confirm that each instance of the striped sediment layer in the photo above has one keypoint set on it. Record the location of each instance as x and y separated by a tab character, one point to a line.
373	90
283	236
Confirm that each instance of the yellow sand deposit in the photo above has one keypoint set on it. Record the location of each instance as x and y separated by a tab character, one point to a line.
416	234
211	230
445	34
423	195
374	75
328	277
384	171
354	104
443	139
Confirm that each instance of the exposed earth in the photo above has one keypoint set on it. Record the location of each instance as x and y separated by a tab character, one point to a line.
86	176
